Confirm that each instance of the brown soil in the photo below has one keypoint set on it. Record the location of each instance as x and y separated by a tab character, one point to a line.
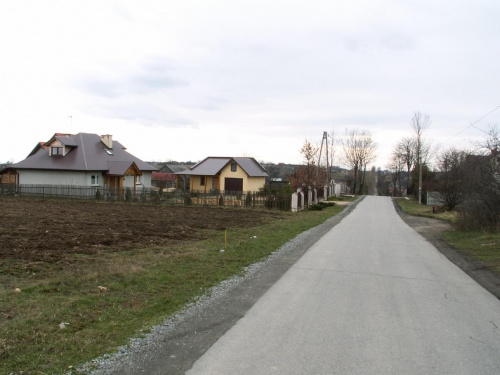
56	231
432	230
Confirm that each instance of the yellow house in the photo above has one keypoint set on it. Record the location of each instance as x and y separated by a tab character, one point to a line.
230	174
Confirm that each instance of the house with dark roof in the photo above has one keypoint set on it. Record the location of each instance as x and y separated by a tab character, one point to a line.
82	160
180	181
163	180
233	174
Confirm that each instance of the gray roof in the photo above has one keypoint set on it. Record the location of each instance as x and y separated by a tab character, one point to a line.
211	166
87	153
67	141
173	168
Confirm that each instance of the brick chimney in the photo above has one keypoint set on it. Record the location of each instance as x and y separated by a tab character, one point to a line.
107	140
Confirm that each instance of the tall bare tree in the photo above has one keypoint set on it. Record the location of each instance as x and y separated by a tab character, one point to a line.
419	124
359	150
406	151
396	165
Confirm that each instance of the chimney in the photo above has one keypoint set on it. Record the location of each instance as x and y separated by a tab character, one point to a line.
107	140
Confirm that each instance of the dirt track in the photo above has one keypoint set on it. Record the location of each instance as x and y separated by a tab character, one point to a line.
55	231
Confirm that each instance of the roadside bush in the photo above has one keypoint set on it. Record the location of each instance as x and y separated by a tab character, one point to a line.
320	205
248	200
128	195
481	208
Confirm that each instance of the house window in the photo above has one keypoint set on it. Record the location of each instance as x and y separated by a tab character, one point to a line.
138	180
56	151
202	181
94	180
233	167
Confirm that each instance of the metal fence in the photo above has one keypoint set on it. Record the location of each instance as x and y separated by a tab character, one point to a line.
151	195
239	199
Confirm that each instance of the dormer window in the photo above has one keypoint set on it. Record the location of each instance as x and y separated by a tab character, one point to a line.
56	151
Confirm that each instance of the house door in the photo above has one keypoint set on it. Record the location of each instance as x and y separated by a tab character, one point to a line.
115	185
112	185
215	183
233	184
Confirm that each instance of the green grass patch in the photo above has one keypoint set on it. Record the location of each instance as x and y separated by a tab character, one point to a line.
411	206
482	246
139	288
343	198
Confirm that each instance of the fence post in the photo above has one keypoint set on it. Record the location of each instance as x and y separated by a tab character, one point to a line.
295	202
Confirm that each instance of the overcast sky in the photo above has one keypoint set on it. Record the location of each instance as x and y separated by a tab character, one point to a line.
183	80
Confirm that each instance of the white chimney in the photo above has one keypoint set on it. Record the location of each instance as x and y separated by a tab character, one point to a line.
107	140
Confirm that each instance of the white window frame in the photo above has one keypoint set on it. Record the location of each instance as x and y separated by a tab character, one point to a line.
94	180
59	151
138	180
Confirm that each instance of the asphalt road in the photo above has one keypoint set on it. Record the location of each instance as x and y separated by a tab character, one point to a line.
370	297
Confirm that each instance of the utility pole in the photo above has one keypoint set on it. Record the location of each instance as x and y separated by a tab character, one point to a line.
419	160
325	140
419	180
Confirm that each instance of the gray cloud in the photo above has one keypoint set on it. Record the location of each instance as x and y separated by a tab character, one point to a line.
374	38
153	76
102	88
139	112
152	81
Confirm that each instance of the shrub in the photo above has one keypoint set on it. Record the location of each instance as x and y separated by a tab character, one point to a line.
128	195
248	200
320	205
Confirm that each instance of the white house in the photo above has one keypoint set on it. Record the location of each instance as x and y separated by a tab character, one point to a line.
82	160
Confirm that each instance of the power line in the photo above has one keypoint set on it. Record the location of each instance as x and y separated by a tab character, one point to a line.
473	126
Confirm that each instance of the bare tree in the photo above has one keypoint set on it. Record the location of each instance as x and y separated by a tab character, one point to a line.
397	163
369	147
419	124
359	150
451	183
308	174
406	150
481	209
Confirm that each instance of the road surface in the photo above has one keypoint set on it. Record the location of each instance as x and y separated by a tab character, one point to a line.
370	297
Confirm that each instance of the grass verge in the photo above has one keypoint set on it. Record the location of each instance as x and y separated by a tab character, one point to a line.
484	247
412	207
481	246
60	315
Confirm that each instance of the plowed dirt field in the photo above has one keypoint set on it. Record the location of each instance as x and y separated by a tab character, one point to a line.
56	231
